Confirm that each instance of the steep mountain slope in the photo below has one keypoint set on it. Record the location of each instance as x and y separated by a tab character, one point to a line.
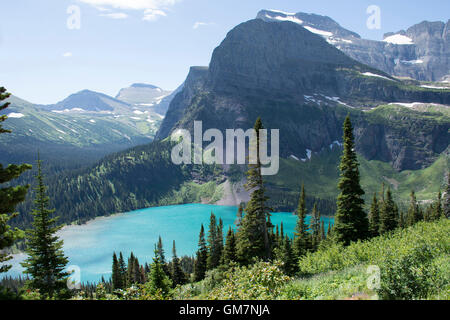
304	86
421	52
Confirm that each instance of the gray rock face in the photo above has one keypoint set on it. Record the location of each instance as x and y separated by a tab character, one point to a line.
304	86
425	56
194	83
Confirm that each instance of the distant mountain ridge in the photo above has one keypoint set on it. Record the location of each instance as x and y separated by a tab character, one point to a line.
142	94
422	52
87	100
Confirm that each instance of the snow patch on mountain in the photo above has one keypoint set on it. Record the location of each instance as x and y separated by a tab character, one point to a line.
16	115
399	39
370	74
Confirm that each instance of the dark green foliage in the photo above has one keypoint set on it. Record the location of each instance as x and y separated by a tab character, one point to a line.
374	217
116	276
316	235
253	235
285	254
200	265
46	262
351	222
447	198
438	212
158	281
214	248
177	275
122	269
414	212
408	277
301	237
162	257
10	197
229	251
388	213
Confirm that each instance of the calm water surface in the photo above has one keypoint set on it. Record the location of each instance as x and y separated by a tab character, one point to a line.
91	246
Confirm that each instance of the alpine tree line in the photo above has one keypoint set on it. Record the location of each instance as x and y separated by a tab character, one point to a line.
253	240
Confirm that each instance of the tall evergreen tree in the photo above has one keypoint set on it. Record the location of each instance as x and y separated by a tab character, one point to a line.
388	214
46	262
219	240
10	197
253	235
122	271
374	217
414	214
214	255
315	227
447	198
351	223
301	236
200	265
116	276
286	255
438	212
177	274
162	256
158	281
229	251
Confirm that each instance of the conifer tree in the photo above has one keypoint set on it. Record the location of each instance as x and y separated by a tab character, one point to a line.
10	197
301	236
414	215
447	198
214	255
200	265
351	223
116	277
178	276
219	240
158	281
286	255
253	235
229	251
374	217
239	215
162	257
438	212
388	214
315	227
122	271
46	262
130	270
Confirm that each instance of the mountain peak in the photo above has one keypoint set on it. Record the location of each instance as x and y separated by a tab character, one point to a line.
144	85
321	25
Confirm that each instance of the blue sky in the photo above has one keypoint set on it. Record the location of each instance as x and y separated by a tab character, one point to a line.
121	42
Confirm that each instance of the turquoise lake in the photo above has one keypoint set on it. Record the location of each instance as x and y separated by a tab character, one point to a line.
91	246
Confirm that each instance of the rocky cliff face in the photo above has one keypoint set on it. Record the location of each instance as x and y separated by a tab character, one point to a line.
422	52
304	86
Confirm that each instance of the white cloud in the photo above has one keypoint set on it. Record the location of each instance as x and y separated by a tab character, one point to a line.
153	15
117	15
132	4
153	9
67	54
199	24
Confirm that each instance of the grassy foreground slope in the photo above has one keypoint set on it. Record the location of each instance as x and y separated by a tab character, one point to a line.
414	263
